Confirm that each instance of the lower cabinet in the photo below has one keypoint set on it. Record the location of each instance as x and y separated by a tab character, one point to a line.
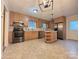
30	35
10	37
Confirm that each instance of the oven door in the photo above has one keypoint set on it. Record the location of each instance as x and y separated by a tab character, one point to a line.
18	34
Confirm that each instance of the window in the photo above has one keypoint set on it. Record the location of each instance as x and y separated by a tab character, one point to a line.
32	24
73	25
43	26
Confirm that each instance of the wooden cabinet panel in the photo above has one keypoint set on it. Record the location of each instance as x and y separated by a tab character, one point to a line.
15	16
18	17
25	20
34	35
27	36
10	37
30	35
50	37
11	19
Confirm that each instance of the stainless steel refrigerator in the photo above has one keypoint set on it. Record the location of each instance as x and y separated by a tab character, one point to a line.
59	28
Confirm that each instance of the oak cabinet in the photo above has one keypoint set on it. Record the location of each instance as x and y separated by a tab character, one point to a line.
50	36
30	35
14	16
10	37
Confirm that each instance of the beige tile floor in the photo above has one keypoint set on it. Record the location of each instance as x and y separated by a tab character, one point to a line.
38	49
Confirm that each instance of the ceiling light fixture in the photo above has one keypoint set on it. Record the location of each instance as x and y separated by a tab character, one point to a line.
35	10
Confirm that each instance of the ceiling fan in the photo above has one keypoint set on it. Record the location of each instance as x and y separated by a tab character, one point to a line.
45	4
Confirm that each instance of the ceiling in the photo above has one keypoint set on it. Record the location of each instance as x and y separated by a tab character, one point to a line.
60	8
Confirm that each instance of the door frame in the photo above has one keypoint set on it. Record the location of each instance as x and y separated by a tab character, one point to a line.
4	11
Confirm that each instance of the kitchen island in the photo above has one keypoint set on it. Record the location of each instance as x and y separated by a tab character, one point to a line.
50	36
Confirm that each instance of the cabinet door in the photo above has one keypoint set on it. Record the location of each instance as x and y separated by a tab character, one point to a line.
11	18
27	36
35	34
25	20
10	36
31	35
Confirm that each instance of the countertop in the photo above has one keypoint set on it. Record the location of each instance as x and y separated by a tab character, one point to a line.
37	29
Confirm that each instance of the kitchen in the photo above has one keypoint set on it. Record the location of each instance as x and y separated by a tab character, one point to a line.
37	32
39	29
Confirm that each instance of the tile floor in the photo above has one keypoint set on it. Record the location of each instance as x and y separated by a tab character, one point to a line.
38	49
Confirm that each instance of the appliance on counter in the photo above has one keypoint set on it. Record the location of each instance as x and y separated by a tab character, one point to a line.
59	28
18	32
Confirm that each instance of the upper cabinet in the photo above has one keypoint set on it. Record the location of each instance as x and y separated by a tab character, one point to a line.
60	19
18	17
27	20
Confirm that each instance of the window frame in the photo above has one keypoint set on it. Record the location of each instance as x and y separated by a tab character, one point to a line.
34	24
43	26
70	25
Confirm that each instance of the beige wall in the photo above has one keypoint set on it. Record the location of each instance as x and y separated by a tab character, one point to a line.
73	35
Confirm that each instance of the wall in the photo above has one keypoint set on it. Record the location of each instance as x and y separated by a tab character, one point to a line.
73	35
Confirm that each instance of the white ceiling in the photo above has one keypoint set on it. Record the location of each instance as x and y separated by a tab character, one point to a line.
60	8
